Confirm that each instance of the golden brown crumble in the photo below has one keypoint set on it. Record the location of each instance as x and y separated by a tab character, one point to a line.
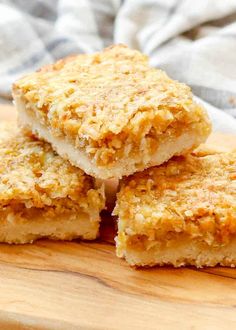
32	175
109	103
191	195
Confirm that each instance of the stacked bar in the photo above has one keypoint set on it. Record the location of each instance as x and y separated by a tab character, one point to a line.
110	113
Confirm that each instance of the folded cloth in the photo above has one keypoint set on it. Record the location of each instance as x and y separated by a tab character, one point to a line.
194	41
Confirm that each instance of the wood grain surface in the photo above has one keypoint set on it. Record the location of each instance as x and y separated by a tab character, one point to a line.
77	285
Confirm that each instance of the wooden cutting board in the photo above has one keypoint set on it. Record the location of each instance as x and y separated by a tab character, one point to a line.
72	285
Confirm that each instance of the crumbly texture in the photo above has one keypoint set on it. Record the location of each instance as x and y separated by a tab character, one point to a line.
111	105
38	188
169	146
189	199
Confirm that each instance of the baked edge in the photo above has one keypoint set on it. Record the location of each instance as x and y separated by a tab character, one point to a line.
178	145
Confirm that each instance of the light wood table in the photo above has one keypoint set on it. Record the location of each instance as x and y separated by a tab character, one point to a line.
72	285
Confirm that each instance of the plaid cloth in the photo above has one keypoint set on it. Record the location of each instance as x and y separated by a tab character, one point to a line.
194	41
